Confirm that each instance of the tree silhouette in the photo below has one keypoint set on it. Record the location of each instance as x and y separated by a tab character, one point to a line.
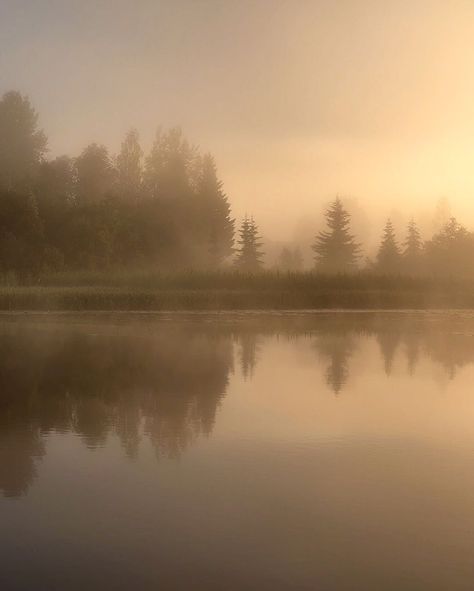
249	253
129	167
336	250
95	174
412	249
22	144
290	260
170	168
218	226
451	250
388	255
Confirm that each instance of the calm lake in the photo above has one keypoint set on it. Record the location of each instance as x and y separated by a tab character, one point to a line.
328	451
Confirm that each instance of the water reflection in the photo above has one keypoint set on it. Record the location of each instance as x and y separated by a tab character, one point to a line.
336	351
164	384
249	347
164	380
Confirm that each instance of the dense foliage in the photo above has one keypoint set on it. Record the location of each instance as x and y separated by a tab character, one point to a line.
94	211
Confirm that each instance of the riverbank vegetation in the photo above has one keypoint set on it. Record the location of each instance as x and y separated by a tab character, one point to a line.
233	290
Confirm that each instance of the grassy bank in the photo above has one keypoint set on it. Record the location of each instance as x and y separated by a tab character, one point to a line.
233	291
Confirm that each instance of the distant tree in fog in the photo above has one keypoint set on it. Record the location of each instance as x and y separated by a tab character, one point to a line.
412	249
217	225
388	255
451	251
95	174
170	166
129	167
22	144
290	260
336	250
56	182
249	253
172	173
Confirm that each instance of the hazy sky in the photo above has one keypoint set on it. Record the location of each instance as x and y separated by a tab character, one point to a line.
298	100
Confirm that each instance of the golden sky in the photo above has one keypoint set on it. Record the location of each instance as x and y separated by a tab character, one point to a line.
298	100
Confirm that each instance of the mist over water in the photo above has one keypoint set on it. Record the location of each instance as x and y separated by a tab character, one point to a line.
236	295
281	451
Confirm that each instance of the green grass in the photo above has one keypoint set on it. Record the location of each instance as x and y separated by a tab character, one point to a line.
145	290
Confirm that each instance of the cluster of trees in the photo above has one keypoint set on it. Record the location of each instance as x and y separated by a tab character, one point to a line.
448	253
93	211
167	209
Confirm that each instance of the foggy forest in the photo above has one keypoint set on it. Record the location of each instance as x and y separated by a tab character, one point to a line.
168	211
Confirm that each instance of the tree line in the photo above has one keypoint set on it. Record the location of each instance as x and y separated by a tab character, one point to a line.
166	210
448	253
95	211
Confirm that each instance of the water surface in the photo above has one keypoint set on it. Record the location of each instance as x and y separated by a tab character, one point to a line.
326	451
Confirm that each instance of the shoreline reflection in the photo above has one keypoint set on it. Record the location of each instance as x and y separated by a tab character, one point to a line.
165	380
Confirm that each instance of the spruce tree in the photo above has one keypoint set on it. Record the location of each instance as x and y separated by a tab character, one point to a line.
249	254
412	249
388	256
335	249
217	224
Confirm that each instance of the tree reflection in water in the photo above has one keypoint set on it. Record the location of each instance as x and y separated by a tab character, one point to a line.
165	380
164	385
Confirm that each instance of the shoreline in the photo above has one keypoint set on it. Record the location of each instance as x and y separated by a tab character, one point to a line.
111	299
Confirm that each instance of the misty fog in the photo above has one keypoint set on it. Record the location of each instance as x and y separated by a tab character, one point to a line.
298	102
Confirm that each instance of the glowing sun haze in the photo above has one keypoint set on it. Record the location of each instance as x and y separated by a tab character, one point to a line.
298	100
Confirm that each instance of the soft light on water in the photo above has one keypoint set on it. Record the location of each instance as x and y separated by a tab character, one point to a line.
306	451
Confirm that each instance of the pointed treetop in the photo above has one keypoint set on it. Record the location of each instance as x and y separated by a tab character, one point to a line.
388	256
249	254
335	249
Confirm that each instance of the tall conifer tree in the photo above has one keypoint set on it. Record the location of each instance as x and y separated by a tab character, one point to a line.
388	256
249	253
335	249
412	249
218	226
